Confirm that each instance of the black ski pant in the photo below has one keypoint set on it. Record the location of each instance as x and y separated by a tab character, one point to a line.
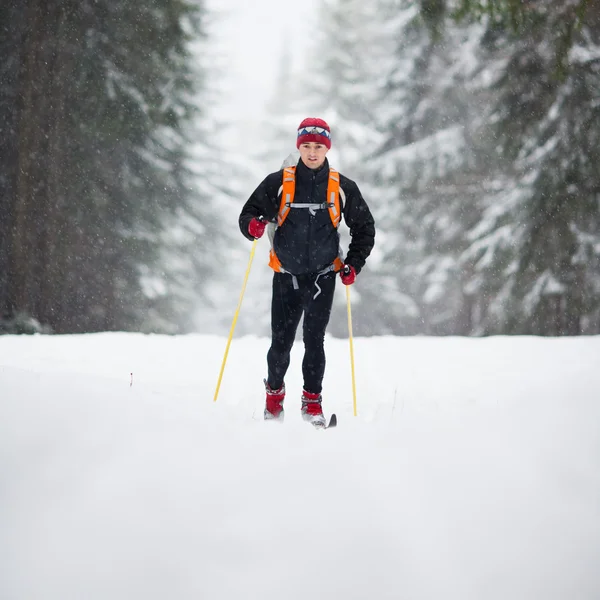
314	298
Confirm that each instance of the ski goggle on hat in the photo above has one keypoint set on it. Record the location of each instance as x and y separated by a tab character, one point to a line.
314	130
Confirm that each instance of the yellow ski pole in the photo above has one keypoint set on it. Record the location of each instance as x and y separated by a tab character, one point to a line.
351	348
235	318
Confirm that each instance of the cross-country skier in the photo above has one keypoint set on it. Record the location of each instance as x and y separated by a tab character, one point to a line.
304	203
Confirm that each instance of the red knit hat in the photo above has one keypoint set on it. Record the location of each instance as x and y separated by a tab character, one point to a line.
313	130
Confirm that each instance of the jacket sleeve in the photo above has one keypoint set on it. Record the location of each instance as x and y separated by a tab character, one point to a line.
262	203
360	221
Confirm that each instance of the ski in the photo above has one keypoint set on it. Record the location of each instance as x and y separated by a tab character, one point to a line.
332	421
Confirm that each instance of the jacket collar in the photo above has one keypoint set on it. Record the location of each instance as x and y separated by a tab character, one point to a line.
304	172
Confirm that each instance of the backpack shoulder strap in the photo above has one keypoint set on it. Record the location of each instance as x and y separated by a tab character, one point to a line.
333	197
287	193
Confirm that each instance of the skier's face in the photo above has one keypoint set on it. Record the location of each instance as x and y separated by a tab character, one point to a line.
313	154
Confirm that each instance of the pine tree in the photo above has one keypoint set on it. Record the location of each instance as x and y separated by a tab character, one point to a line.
341	88
427	171
276	142
537	246
103	93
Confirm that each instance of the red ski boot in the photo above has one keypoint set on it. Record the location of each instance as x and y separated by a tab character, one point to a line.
311	409
274	404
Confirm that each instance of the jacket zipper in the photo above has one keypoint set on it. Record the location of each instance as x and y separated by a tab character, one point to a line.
310	217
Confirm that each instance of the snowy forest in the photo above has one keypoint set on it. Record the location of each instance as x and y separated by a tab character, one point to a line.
471	126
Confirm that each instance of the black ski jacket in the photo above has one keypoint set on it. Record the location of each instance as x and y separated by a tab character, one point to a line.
305	242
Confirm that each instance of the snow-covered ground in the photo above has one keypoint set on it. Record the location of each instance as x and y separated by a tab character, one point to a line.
472	471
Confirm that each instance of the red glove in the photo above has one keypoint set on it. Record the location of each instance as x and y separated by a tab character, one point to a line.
256	227
348	274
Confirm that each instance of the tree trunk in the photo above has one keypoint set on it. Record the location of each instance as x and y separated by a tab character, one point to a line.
11	50
31	193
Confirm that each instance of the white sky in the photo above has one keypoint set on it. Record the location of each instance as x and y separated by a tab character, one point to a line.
472	471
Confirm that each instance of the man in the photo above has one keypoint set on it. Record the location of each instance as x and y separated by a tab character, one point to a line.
306	202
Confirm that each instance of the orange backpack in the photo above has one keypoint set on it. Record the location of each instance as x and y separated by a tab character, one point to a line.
287	198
